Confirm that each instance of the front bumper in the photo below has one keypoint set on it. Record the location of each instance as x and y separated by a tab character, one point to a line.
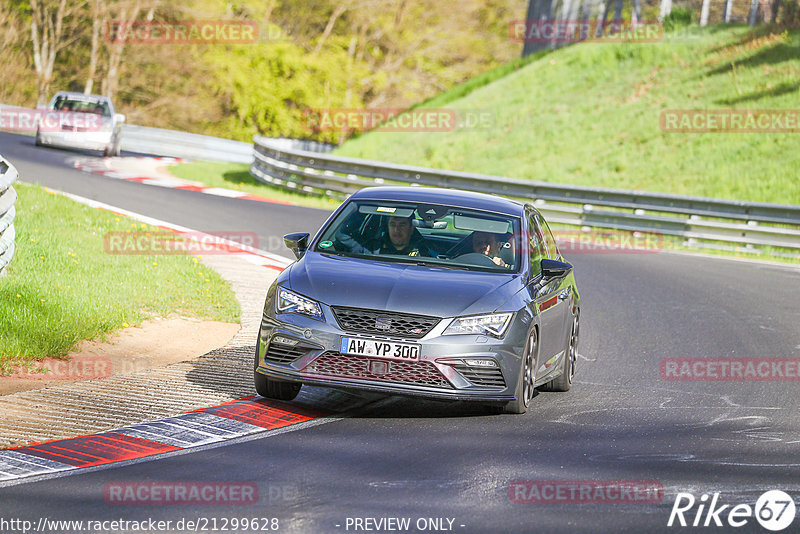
441	371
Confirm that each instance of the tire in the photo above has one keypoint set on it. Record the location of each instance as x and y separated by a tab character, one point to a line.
527	376
107	151
273	389
116	147
564	381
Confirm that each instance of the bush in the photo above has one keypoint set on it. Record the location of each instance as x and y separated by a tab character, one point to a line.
678	18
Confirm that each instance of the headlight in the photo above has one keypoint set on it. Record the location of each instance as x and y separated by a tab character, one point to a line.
494	325
290	302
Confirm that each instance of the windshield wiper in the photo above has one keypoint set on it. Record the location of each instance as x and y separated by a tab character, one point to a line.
345	254
416	260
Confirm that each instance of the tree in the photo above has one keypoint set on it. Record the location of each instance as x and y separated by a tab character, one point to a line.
97	12
751	18
704	13
636	14
50	22
126	14
666	9
726	12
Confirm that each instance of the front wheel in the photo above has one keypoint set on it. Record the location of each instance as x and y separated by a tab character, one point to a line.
276	389
270	388
527	377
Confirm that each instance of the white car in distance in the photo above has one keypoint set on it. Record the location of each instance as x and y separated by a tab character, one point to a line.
81	121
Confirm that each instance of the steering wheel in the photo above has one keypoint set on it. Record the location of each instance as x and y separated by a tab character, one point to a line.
476	258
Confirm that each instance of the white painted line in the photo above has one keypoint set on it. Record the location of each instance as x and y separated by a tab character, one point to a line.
260	434
16	464
165	182
230	193
120	175
266	257
171	434
189	430
214	424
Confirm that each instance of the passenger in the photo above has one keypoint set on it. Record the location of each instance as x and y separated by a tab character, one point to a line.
486	243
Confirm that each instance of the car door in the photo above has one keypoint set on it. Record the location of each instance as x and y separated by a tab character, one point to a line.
552	301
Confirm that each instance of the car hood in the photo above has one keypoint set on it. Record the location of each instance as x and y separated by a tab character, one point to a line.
441	292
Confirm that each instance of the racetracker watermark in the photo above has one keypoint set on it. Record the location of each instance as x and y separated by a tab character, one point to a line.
156	243
573	31
730	369
76	368
730	121
397	120
181	493
609	242
191	524
182	32
46	121
585	492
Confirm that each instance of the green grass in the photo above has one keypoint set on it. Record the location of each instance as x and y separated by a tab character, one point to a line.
463	89
588	114
236	176
62	287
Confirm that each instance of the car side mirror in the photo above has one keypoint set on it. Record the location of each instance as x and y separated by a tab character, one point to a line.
119	117
297	243
552	269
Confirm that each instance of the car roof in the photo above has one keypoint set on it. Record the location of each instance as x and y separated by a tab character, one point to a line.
82	96
447	197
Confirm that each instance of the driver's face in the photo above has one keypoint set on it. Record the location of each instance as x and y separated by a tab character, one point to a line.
485	243
399	232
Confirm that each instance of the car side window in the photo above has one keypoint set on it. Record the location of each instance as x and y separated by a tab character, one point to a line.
536	247
552	248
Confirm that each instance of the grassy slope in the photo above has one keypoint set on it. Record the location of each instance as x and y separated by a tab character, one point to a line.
589	114
62	287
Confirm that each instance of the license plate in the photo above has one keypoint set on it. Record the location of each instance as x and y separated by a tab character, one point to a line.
379	349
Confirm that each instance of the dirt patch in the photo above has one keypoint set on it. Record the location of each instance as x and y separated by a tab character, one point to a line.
153	344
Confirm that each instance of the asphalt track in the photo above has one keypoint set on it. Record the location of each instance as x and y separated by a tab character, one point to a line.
402	458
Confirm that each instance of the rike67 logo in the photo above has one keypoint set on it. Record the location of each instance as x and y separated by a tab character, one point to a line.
774	510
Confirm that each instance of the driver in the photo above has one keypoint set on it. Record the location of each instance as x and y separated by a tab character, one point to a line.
486	243
402	239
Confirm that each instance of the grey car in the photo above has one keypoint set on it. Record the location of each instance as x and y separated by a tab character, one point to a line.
81	121
425	292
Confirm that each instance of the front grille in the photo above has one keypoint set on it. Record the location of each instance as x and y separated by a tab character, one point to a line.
384	323
482	376
278	353
347	366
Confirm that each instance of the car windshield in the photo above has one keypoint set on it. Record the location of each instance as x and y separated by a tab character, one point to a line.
429	234
82	106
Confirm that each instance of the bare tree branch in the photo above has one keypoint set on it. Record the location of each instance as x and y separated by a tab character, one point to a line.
337	12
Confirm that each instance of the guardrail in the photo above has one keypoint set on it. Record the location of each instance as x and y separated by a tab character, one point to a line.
8	175
704	222
177	144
